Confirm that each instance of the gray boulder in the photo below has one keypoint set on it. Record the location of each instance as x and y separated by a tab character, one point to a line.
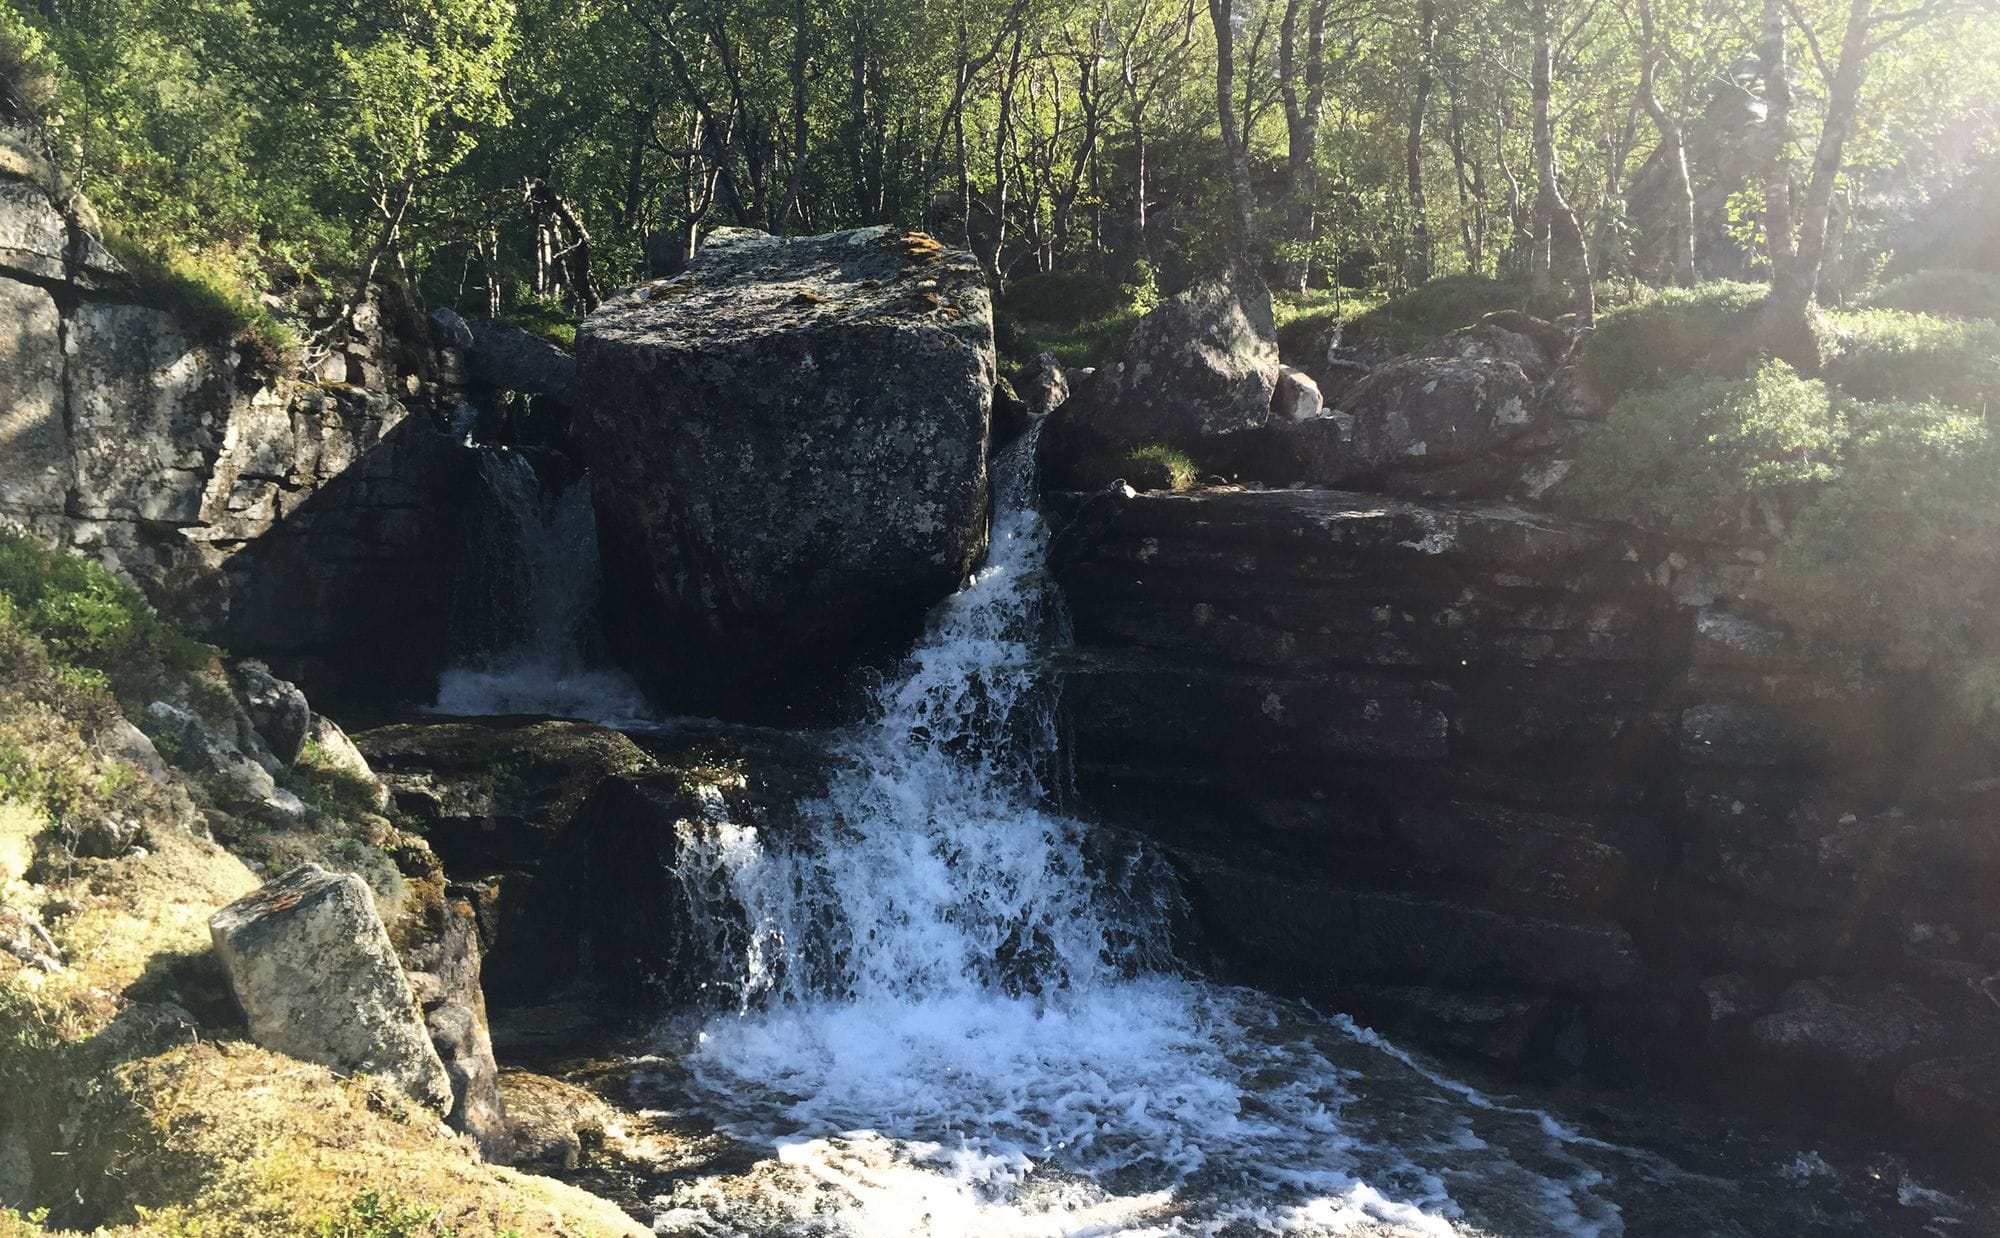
314	971
442	962
1198	374
231	775
1297	398
276	708
1467	399
788	447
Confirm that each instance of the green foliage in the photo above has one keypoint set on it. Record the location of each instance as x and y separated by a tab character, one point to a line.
95	626
1671	334
209	298
1707	458
1947	293
1901	559
26	65
1152	466
1894	355
1430	310
375	1214
547	318
1065	298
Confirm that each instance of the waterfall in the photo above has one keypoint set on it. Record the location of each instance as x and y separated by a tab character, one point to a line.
951	1002
525	604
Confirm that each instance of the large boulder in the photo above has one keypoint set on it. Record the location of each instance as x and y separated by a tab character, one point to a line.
1197	374
1467	401
788	442
315	972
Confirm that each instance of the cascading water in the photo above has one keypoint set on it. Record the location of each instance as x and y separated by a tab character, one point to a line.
526	602
947	1016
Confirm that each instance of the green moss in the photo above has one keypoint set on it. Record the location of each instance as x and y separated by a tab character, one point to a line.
1950	294
211	300
1698	457
1895	355
1672	334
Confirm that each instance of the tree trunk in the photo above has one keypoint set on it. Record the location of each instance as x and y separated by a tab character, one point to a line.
1242	221
1413	153
1673	141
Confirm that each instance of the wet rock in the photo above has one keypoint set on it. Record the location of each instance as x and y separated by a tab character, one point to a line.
493	795
277	709
1954	1095
1865	1038
1043	385
315	973
1307	933
788	442
660	928
1197	374
233	777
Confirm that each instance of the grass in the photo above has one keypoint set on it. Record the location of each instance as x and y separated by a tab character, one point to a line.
1152	466
1430	310
208	299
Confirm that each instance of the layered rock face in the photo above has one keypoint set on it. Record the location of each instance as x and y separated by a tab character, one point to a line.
1544	791
1390	744
166	455
789	447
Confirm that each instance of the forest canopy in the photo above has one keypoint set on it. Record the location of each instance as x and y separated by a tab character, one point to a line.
521	156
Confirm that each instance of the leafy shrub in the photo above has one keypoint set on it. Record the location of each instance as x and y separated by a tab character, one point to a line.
211	300
1950	294
27	69
1672	334
373	1214
1901	559
1154	466
1895	355
91	621
1696	457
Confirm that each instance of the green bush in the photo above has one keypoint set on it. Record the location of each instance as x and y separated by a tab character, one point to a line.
1950	294
210	300
1696	458
1901	559
1895	355
90	621
1672	334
